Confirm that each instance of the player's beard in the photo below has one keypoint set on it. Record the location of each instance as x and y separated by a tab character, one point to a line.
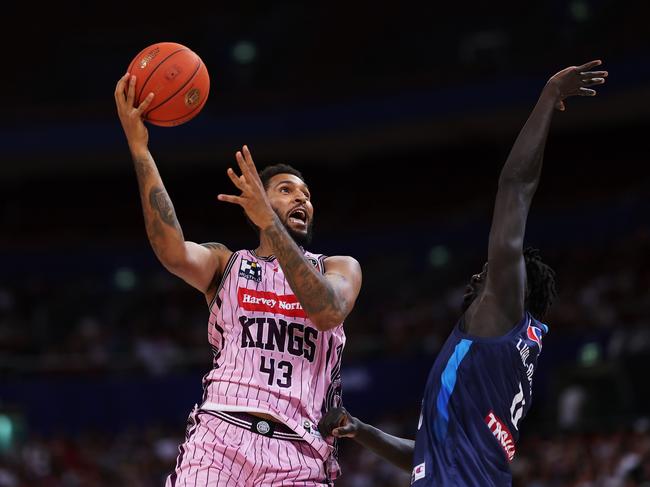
302	239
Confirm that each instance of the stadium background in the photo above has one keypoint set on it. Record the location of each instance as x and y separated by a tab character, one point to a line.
400	118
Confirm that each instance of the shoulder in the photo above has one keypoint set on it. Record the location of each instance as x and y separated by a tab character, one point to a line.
223	256
222	252
216	247
345	261
344	266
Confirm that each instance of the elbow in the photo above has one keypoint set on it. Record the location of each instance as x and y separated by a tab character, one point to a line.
173	262
328	319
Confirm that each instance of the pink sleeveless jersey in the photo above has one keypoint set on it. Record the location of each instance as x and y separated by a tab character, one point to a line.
268	355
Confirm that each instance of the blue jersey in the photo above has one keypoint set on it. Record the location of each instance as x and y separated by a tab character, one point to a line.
476	396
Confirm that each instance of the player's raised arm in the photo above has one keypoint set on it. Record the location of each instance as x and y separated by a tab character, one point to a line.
502	303
340	424
327	298
196	264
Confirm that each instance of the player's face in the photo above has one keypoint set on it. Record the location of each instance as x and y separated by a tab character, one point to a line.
475	287
290	198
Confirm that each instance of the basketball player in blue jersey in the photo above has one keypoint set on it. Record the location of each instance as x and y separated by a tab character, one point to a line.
480	387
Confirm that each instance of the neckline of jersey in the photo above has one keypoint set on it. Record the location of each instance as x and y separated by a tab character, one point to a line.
514	331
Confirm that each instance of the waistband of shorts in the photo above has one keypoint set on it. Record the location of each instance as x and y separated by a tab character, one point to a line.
260	426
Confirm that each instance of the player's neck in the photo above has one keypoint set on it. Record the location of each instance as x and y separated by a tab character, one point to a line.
265	248
263	251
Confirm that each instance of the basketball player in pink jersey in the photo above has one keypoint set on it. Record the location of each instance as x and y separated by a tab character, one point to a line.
275	325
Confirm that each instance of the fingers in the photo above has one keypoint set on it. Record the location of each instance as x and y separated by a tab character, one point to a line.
593	81
119	88
241	162
239	181
586	92
246	164
249	158
145	103
346	430
344	417
594	74
589	65
130	93
229	198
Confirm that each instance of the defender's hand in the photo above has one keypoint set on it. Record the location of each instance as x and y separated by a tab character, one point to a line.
130	116
253	197
339	424
575	81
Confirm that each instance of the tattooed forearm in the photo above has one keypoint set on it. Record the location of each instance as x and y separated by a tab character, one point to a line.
163	230
143	169
313	291
161	204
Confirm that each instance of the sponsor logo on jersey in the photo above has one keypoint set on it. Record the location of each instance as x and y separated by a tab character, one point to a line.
502	434
269	302
535	334
251	270
418	472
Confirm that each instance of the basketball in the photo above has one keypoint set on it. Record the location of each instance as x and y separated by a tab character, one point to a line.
178	78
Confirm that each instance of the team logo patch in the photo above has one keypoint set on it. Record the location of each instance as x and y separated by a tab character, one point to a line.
251	270
535	334
502	434
418	472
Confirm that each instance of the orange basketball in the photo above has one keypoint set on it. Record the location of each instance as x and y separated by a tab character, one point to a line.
177	77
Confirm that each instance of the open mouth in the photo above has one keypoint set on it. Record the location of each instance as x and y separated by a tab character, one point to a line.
298	216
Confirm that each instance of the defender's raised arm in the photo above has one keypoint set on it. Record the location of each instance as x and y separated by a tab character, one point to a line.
502	303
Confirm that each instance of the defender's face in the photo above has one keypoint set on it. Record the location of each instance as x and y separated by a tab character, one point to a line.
475	287
290	199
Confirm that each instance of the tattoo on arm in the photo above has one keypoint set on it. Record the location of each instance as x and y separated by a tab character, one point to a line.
214	246
313	291
160	202
159	214
142	170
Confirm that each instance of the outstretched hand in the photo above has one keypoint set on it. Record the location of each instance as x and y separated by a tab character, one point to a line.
130	115
253	197
339	424
576	81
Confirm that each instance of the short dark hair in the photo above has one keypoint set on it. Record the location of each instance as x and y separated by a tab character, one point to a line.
269	171
541	284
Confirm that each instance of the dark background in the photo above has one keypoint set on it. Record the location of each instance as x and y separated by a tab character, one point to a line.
400	118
